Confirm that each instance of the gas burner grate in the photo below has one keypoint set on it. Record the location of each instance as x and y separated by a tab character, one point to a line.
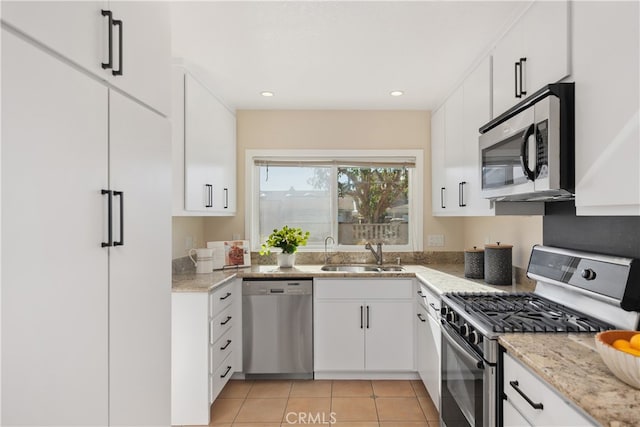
525	312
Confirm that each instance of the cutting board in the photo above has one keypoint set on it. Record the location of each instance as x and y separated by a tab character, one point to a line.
230	253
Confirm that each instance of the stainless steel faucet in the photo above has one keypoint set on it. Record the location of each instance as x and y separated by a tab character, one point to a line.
377	253
326	256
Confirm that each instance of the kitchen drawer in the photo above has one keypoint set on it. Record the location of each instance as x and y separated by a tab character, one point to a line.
363	289
221	349
433	302
555	411
221	375
221	324
220	298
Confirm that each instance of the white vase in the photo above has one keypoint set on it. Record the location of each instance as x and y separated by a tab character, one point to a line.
286	260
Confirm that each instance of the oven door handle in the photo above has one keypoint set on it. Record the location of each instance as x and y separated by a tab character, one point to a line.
462	347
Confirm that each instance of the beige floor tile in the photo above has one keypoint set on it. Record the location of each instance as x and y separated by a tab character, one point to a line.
355	424
354	409
393	388
309	405
434	423
351	388
403	424
399	409
262	410
236	389
225	410
418	388
429	409
269	389
311	388
256	425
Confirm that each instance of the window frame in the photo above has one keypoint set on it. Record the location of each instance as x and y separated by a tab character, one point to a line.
416	192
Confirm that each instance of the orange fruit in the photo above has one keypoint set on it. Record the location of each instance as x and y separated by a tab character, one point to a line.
635	342
621	344
631	351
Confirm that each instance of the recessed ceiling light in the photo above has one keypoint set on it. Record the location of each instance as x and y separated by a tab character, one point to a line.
266	93
396	93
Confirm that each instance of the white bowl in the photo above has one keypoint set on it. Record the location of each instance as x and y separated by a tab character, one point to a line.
625	366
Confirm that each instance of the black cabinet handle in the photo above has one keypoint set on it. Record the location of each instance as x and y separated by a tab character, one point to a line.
515	78
226	198
367	317
224	347
422	319
226	372
118	72
461	202
109	15
226	296
361	317
442	198
420	293
534	405
225	321
436	309
109	218
209	203
121	195
522	88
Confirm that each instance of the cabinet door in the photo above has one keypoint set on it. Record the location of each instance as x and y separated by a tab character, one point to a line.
476	112
389	336
507	52
438	175
607	119
209	150
453	152
511	417
422	343
146	51
432	362
75	29
140	275
338	336
54	270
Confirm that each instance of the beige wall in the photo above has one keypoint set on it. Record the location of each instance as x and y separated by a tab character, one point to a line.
308	129
187	231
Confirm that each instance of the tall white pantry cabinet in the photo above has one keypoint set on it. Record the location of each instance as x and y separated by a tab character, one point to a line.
85	327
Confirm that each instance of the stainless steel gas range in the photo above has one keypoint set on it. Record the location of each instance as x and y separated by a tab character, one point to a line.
575	292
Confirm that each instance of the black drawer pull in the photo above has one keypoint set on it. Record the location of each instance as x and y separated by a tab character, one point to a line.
224	347
225	321
226	296
436	309
534	405
422	319
118	72
226	372
109	15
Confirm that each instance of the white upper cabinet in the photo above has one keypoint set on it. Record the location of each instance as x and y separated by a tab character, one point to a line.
606	69
79	31
534	52
454	147
204	150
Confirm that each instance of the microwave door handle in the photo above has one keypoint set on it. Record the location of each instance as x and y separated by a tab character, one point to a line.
524	153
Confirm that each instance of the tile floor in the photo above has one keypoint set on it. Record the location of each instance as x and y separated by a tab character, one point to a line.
338	403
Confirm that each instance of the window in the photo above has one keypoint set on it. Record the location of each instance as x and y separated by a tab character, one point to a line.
354	197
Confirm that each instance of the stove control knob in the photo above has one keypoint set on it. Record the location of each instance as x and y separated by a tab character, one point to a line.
474	338
444	311
588	274
451	316
465	329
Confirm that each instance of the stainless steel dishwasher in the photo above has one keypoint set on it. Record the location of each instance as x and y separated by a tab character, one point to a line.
277	323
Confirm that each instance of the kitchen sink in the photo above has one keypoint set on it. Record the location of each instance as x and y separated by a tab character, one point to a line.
361	268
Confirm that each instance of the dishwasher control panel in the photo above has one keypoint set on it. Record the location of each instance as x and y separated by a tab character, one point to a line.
277	287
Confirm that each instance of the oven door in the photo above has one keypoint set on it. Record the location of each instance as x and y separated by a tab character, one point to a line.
468	384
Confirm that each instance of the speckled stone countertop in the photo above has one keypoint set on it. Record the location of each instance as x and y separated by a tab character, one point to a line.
439	277
571	364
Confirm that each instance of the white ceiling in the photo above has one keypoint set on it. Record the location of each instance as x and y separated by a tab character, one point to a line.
336	54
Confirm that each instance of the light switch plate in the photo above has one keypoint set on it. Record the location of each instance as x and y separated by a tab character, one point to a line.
435	240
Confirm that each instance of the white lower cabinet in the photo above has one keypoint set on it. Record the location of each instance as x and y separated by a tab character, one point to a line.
85	322
428	341
205	349
530	401
363	325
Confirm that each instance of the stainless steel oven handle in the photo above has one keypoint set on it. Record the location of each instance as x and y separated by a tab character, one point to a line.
467	352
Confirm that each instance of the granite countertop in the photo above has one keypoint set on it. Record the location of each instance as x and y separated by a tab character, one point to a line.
571	364
440	278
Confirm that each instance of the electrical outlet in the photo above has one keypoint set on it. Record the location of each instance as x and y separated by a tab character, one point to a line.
435	240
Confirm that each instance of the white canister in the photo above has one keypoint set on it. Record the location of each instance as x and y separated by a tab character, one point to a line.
204	256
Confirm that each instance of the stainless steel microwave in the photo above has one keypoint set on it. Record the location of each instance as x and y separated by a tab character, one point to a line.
527	153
